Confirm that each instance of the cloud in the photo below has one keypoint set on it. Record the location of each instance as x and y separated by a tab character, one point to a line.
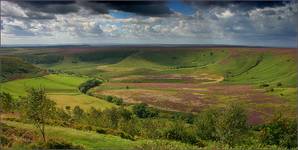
225	14
154	22
143	8
52	7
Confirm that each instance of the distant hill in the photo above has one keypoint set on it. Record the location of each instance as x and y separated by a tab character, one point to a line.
15	68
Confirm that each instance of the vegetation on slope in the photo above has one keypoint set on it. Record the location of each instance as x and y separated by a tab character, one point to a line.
14	68
42	59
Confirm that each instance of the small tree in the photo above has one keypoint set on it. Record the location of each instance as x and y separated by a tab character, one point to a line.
232	124
78	113
39	109
111	117
6	102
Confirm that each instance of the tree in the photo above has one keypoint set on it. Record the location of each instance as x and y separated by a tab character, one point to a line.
94	116
6	102
78	113
232	124
39	109
111	117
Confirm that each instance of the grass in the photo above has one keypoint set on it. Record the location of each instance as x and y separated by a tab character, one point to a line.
61	88
93	140
89	139
237	66
84	101
52	83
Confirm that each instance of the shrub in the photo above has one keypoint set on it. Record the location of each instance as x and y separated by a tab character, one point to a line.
164	145
180	133
110	118
264	85
131	127
56	144
84	87
4	141
78	113
6	102
125	114
101	131
278	84
142	111
114	99
280	131
125	136
206	123
232	124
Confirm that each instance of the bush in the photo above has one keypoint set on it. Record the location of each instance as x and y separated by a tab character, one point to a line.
110	118
84	87
278	84
6	102
232	124
280	131
114	99
181	133
142	111
101	131
165	145
78	113
206	123
264	85
56	144
4	141
125	136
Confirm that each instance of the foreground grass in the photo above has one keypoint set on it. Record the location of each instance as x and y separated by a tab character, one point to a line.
93	140
90	140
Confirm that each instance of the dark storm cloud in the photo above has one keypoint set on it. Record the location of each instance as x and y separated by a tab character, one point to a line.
144	8
245	5
52	7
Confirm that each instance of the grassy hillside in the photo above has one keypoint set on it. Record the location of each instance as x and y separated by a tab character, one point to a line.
61	88
90	140
52	83
249	66
84	101
14	68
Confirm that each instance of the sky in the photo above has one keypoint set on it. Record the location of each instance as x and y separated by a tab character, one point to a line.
251	23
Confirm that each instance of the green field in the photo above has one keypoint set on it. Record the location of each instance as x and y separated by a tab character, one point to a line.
52	83
61	88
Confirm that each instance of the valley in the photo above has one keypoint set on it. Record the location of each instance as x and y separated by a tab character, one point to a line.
172	80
